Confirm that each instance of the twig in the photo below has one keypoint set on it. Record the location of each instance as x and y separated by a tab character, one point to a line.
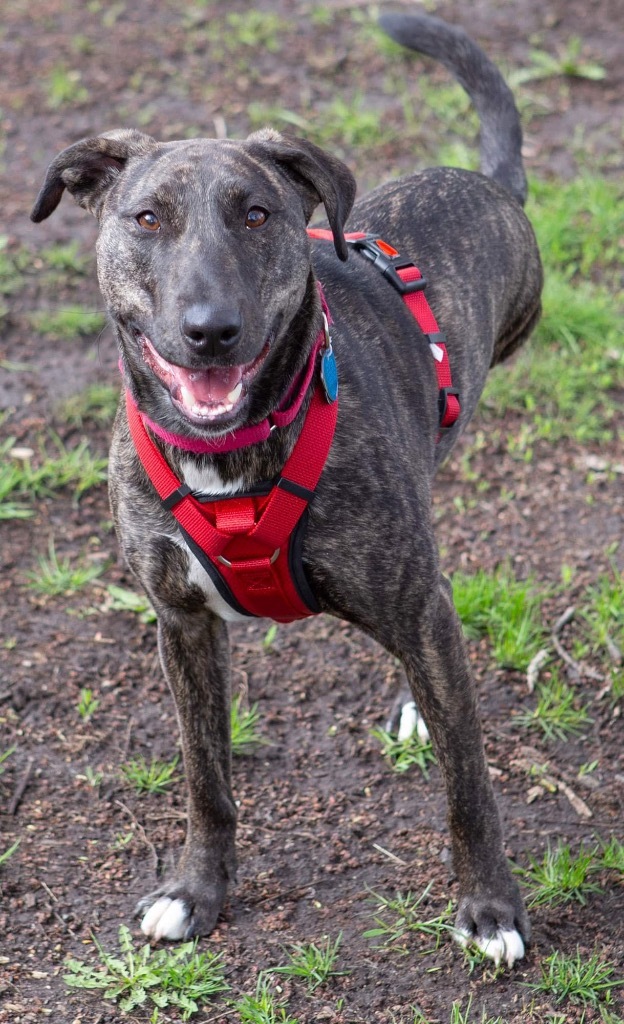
574	668
534	667
392	856
21	787
143	835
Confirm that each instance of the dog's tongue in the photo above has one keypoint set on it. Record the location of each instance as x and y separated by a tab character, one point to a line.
216	386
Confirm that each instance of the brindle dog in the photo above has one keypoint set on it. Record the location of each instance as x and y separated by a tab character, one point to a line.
210	279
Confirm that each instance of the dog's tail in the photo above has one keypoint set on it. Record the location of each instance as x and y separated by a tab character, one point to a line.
501	134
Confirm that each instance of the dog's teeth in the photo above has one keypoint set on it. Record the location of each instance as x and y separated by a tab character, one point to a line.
235	394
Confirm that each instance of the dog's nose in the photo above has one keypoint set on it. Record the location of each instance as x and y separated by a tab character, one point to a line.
210	329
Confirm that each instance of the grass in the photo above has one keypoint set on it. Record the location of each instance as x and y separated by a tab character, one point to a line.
507	610
65	259
4	756
612	856
558	715
30	475
65	324
400	916
244	733
405	754
262	1007
562	877
177	977
96	404
568	377
56	576
578	981
314	964
155	777
604	614
7	854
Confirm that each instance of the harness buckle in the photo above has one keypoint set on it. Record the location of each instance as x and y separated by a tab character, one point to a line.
248	562
388	264
443	396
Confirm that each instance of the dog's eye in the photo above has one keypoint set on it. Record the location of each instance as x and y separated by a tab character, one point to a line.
148	220
256	217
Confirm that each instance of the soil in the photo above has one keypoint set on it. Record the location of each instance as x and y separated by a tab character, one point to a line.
323	819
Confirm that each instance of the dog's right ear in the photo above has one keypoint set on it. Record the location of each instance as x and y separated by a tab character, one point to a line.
88	169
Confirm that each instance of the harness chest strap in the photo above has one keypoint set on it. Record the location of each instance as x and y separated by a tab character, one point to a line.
248	537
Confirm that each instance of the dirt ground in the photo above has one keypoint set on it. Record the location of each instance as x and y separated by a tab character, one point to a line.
323	819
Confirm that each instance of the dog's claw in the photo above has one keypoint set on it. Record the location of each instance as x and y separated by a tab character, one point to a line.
166	919
506	944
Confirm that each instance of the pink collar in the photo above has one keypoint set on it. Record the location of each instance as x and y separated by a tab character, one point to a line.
244	436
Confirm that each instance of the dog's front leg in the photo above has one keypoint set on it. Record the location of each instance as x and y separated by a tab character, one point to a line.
194	650
491	911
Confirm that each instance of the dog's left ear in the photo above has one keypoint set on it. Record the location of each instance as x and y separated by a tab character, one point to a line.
320	177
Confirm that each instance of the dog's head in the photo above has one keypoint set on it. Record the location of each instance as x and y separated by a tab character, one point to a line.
203	261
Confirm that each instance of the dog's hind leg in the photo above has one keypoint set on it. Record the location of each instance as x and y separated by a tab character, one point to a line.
194	650
430	643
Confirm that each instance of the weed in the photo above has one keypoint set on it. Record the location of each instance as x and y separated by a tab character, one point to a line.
262	1007
244	728
561	877
58	576
155	777
12	266
397	917
315	964
93	779
567	62
405	754
96	403
65	259
65	324
586	982
122	600
180	977
62	87
506	609
254	29
87	704
557	714
4	857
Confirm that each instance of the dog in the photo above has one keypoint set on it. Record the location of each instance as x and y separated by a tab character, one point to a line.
235	329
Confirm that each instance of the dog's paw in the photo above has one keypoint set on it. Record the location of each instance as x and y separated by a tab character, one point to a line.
176	913
499	929
405	719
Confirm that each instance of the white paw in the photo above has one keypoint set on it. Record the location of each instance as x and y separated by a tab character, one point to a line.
410	722
505	945
166	919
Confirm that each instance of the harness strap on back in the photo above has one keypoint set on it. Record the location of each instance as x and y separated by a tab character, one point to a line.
409	282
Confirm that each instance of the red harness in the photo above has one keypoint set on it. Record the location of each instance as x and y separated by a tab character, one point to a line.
250	545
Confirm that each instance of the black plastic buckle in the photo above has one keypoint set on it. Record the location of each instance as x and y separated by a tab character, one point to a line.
443	397
388	265
176	496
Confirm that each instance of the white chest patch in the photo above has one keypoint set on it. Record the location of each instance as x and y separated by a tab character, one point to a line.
209	482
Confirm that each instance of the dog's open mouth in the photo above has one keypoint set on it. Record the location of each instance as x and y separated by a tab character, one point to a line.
203	395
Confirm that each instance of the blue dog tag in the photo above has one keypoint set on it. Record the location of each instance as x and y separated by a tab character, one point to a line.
329	374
